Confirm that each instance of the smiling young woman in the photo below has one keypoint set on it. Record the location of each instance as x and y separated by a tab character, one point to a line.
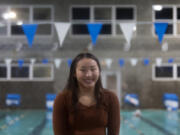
85	107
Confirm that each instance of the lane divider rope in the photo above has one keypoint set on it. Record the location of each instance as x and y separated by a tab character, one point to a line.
13	121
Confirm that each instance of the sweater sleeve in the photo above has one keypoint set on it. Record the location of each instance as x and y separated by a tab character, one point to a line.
113	115
60	115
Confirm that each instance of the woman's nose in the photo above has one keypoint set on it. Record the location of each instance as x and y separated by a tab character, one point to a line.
88	73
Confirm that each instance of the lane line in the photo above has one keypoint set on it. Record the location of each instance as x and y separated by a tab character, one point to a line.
12	122
38	129
132	126
163	130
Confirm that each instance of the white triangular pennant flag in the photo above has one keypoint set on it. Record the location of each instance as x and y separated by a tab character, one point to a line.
127	29
57	62
158	61
8	61
133	61
108	62
62	29
32	60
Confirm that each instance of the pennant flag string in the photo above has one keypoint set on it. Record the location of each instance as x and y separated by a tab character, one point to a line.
170	60
53	22
108	62
45	61
69	62
57	62
20	62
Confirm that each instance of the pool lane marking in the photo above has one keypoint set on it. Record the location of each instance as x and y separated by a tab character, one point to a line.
38	129
132	126
163	130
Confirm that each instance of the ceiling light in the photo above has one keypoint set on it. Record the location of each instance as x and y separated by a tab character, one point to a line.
12	15
19	23
5	16
157	7
9	15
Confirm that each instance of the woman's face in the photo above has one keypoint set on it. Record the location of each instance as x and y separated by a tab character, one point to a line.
87	73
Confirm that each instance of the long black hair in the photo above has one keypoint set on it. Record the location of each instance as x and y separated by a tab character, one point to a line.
72	84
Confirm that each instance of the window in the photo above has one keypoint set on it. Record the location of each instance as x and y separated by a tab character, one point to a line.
3	29
110	16
42	71
3	72
165	13
178	21
42	14
106	29
163	72
103	13
27	14
178	71
3	9
123	13
166	72
171	15
79	29
28	72
44	29
82	13
20	72
16	30
3	23
22	14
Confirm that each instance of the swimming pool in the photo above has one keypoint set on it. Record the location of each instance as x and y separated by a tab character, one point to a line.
39	122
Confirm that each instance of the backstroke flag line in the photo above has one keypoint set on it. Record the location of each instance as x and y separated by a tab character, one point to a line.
32	60
20	62
108	62
94	30
133	61
29	31
69	62
62	29
160	29
57	62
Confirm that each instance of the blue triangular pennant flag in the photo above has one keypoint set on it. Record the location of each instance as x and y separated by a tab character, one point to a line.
20	62
29	30
146	62
94	30
121	62
45	61
160	30
69	61
170	60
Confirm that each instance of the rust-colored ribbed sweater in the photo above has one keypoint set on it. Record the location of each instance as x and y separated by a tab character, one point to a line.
86	120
